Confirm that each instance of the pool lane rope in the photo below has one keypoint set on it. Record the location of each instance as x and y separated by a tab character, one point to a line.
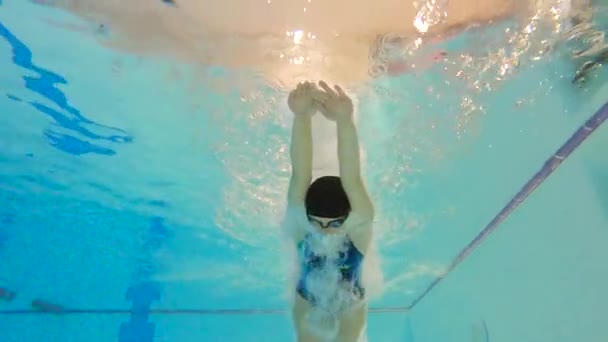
42	307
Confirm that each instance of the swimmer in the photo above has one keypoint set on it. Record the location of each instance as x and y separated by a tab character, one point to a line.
330	221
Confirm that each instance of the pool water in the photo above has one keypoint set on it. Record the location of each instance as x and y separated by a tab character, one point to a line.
140	196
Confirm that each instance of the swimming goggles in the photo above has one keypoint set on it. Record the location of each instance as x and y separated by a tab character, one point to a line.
336	223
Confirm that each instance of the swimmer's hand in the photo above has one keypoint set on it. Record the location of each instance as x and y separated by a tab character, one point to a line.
334	104
301	101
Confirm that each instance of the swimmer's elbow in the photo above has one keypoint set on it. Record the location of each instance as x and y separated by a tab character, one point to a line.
367	213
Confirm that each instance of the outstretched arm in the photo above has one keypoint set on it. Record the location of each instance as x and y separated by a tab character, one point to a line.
350	169
337	106
302	105
301	158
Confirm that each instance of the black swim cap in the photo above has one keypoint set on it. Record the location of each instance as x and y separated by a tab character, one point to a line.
326	198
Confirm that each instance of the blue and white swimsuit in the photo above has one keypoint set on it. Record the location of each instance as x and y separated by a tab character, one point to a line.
347	262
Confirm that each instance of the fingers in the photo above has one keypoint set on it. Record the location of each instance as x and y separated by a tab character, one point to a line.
305	88
314	92
322	94
337	91
327	89
309	86
299	88
340	91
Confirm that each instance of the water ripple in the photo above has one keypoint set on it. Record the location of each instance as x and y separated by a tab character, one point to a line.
69	117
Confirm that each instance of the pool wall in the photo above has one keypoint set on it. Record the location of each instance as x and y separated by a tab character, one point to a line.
541	276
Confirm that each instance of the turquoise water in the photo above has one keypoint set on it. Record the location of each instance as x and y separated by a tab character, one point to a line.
130	184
